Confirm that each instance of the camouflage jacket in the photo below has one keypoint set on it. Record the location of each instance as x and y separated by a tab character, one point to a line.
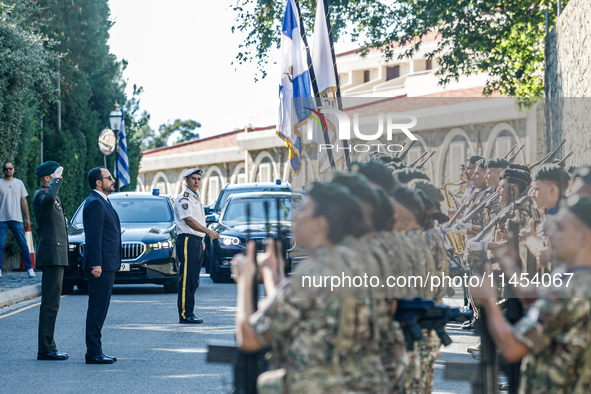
424	259
436	245
325	342
557	331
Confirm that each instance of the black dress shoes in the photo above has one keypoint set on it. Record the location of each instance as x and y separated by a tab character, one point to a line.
52	355
102	359
191	320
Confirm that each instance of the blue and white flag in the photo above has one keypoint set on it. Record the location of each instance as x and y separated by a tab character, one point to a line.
122	161
295	83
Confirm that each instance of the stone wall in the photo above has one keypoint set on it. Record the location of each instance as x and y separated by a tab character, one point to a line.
568	82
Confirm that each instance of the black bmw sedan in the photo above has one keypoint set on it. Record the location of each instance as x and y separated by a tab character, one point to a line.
235	226
148	235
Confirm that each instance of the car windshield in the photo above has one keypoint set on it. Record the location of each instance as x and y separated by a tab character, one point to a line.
228	192
137	210
236	209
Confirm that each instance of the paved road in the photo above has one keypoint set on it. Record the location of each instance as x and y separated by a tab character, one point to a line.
155	353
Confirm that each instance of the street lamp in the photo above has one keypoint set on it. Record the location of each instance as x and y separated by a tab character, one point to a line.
115	118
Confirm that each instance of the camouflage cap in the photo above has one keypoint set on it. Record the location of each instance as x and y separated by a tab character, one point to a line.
407	174
335	193
581	207
358	185
397	165
432	191
474	159
410	199
497	163
584	173
553	173
377	173
46	168
515	176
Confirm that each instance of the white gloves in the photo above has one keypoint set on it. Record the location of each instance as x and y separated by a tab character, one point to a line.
57	173
478	246
462	228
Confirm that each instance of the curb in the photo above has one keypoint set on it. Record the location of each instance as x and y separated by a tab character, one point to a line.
18	295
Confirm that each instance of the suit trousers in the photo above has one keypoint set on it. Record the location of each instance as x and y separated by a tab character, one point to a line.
99	297
189	252
51	291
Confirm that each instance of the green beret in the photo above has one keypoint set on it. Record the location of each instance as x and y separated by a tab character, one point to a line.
474	159
406	175
519	167
378	156
497	163
515	176
584	173
481	163
383	211
337	195
377	173
46	168
358	185
432	191
581	207
410	200
553	173
427	202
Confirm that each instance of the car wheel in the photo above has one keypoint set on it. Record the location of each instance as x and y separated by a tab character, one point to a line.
171	287
67	288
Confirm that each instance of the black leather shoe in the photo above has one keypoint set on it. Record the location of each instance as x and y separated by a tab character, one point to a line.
52	355
102	359
111	357
191	320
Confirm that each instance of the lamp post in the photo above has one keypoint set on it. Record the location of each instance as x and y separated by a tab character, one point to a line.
115	118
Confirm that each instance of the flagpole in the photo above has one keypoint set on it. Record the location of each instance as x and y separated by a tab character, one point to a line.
336	74
313	79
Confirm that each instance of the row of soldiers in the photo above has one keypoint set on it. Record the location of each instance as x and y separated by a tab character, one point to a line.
385	219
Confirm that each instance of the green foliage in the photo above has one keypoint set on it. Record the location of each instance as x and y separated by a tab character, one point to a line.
185	130
33	33
504	39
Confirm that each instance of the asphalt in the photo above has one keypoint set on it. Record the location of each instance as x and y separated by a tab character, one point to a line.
16	286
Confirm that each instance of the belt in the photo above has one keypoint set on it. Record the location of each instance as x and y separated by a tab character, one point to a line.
191	235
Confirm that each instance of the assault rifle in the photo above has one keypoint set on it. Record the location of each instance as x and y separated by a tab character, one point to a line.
420	165
417	160
549	157
512	158
403	154
462	208
422	313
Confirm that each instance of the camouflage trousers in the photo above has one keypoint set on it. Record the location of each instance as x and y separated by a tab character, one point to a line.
421	367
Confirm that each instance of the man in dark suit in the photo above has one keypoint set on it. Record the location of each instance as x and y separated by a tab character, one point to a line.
102	258
52	254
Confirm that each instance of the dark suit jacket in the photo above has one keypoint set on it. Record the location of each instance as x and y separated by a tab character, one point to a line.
52	248
103	234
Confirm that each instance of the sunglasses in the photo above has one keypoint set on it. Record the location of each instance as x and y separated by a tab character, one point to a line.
7	169
108	177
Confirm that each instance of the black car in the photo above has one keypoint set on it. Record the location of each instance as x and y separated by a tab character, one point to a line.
148	234
234	227
213	211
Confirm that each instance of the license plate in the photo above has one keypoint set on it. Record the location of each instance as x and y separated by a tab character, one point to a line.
124	267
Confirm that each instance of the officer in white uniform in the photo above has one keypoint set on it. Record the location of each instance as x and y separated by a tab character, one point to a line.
189	216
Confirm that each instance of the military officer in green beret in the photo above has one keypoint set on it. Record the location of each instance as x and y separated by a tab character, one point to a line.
52	254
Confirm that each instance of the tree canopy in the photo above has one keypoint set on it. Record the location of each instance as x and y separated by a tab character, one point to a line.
184	130
504	39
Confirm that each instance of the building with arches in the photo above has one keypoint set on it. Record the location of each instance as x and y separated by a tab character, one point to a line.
454	122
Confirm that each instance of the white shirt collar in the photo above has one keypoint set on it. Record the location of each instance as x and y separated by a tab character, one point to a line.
103	195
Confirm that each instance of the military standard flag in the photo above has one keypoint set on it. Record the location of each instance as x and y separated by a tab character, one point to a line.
295	84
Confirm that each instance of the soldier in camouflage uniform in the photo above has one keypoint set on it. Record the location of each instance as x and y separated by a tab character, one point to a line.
549	183
554	337
494	168
323	339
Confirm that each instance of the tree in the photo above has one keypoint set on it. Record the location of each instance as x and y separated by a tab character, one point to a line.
504	39
184	129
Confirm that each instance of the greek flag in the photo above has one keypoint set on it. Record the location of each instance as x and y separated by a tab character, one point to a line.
295	84
122	161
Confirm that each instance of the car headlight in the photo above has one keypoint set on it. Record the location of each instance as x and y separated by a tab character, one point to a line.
161	245
72	247
227	241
